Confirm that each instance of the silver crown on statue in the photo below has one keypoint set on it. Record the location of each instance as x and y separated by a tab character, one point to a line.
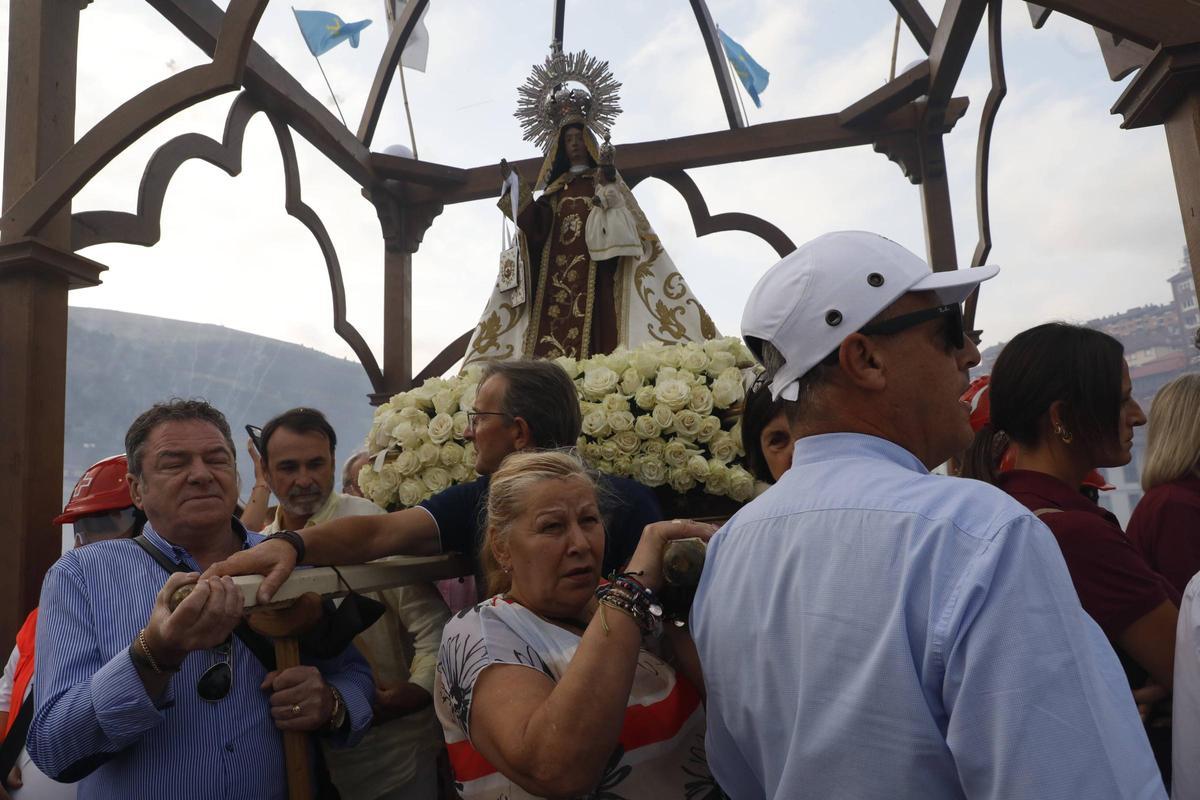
545	102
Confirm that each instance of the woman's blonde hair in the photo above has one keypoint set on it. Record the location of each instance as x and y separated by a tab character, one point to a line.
506	501
1173	444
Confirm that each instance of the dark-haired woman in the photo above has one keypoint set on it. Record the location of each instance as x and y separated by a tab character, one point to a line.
1063	394
767	434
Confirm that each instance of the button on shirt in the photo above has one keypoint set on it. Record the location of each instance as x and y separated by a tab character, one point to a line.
94	718
868	630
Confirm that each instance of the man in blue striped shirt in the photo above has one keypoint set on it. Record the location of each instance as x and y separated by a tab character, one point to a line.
132	698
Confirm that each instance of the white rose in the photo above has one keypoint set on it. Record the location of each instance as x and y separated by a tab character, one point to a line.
627	442
674	394
631	380
694	360
646	428
429	453
461	473
723	447
623	466
644	398
471	375
407	435
676	453
679	479
697	465
649	471
718	478
709	427
441	428
424	395
619	359
620	421
609	450
687	423
599	381
654	448
615	402
595	424
726	393
701	401
569	365
646	361
436	479
452	453
408	463
606	467
719	362
722	345
690	378
414	416
410	492
741	484
460	424
591	452
469	454
403	400
467	401
670	356
445	402
665	374
663	415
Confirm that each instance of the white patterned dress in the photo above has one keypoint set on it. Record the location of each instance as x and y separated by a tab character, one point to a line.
659	754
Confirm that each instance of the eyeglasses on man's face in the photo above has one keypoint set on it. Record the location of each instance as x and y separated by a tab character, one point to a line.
472	416
954	329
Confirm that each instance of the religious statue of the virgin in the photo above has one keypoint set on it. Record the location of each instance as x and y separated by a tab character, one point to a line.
561	297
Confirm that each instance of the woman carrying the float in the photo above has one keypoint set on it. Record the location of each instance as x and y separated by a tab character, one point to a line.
561	685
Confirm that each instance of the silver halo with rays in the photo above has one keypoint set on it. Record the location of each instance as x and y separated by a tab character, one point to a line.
545	100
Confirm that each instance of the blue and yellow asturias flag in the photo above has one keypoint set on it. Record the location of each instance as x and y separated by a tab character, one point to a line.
323	31
752	76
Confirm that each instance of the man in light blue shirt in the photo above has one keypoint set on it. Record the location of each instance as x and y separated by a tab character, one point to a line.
913	635
136	701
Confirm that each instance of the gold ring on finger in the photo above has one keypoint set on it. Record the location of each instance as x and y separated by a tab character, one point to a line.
296	710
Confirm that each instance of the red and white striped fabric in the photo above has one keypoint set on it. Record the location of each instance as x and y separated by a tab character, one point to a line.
660	753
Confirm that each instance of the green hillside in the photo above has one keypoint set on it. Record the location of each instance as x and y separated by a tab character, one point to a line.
118	364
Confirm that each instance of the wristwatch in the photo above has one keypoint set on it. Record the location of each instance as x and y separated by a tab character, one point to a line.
337	718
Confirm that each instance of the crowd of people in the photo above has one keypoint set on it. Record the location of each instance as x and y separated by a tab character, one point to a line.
867	627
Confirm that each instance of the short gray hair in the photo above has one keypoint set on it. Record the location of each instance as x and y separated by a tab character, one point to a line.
174	410
806	387
542	394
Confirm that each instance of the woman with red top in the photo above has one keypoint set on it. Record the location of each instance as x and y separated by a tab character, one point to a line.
1062	393
559	685
1166	523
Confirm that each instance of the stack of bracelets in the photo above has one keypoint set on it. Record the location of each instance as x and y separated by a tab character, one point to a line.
628	595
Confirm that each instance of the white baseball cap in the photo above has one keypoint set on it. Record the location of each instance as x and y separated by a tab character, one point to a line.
830	287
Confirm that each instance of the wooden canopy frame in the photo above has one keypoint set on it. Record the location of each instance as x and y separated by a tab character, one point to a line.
45	167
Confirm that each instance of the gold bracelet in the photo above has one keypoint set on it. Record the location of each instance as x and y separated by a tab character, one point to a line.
141	640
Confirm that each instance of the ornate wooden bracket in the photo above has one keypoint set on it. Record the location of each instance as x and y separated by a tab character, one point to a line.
136	116
403	224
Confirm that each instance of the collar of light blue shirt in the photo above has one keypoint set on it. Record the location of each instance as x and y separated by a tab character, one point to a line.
181	556
829	446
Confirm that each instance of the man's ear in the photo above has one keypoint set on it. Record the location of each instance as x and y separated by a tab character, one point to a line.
863	362
135	489
523	437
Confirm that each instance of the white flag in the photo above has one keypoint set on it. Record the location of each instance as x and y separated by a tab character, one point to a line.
416	51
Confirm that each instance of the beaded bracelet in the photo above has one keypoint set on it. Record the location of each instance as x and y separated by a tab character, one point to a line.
627	594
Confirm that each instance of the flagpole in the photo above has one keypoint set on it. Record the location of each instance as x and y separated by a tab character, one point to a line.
404	90
895	50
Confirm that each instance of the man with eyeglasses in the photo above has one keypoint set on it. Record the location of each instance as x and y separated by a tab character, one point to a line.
99	509
913	635
519	405
136	700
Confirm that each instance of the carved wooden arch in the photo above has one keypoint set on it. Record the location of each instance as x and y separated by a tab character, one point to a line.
703	222
128	122
144	228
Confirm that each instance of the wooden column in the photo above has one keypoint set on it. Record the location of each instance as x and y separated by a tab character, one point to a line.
404	225
935	205
1183	141
34	279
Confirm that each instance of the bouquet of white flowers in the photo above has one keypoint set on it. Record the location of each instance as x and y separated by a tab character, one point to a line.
659	414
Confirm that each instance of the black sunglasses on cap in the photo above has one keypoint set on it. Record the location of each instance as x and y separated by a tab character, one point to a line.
954	330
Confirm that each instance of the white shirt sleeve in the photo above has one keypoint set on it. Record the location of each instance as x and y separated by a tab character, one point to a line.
6	682
1186	703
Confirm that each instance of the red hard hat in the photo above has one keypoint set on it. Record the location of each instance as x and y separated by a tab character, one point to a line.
101	488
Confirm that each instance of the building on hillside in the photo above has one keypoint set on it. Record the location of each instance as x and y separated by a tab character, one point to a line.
1183	287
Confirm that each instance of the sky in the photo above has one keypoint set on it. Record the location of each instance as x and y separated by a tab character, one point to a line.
1085	220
